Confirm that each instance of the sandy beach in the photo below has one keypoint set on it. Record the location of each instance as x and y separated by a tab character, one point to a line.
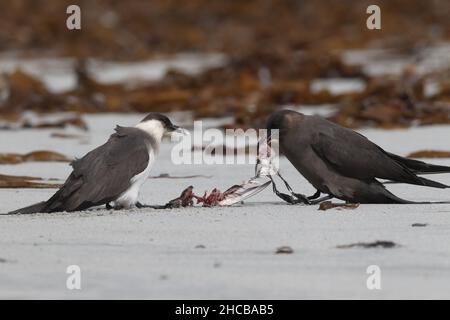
221	253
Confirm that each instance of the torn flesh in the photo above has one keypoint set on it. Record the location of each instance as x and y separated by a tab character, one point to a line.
266	167
232	195
237	193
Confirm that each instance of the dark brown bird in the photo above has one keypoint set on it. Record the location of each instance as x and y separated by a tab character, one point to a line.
343	163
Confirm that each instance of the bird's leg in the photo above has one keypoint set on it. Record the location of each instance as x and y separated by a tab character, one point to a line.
301	198
109	207
315	195
327	197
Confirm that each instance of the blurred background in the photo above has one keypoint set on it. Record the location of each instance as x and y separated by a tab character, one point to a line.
238	60
230	63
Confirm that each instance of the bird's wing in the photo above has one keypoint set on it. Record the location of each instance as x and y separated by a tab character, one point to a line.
105	172
353	155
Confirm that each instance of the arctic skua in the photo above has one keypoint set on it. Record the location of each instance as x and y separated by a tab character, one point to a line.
113	173
344	164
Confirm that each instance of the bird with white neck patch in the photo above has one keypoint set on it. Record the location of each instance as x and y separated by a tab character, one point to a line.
113	173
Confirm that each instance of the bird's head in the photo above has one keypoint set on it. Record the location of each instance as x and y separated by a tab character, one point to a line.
282	120
158	126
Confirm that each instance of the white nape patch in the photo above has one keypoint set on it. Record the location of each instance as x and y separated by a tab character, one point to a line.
129	198
153	127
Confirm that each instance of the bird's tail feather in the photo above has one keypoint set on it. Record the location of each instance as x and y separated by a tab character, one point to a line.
420	181
432	183
420	167
35	208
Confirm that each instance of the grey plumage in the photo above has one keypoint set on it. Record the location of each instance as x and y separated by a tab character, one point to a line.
343	163
102	175
113	173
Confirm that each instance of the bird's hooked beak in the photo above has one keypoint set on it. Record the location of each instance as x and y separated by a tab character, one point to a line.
176	131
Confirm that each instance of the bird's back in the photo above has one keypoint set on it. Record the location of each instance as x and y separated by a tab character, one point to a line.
105	172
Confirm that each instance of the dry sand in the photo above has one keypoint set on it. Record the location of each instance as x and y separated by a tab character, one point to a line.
203	253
